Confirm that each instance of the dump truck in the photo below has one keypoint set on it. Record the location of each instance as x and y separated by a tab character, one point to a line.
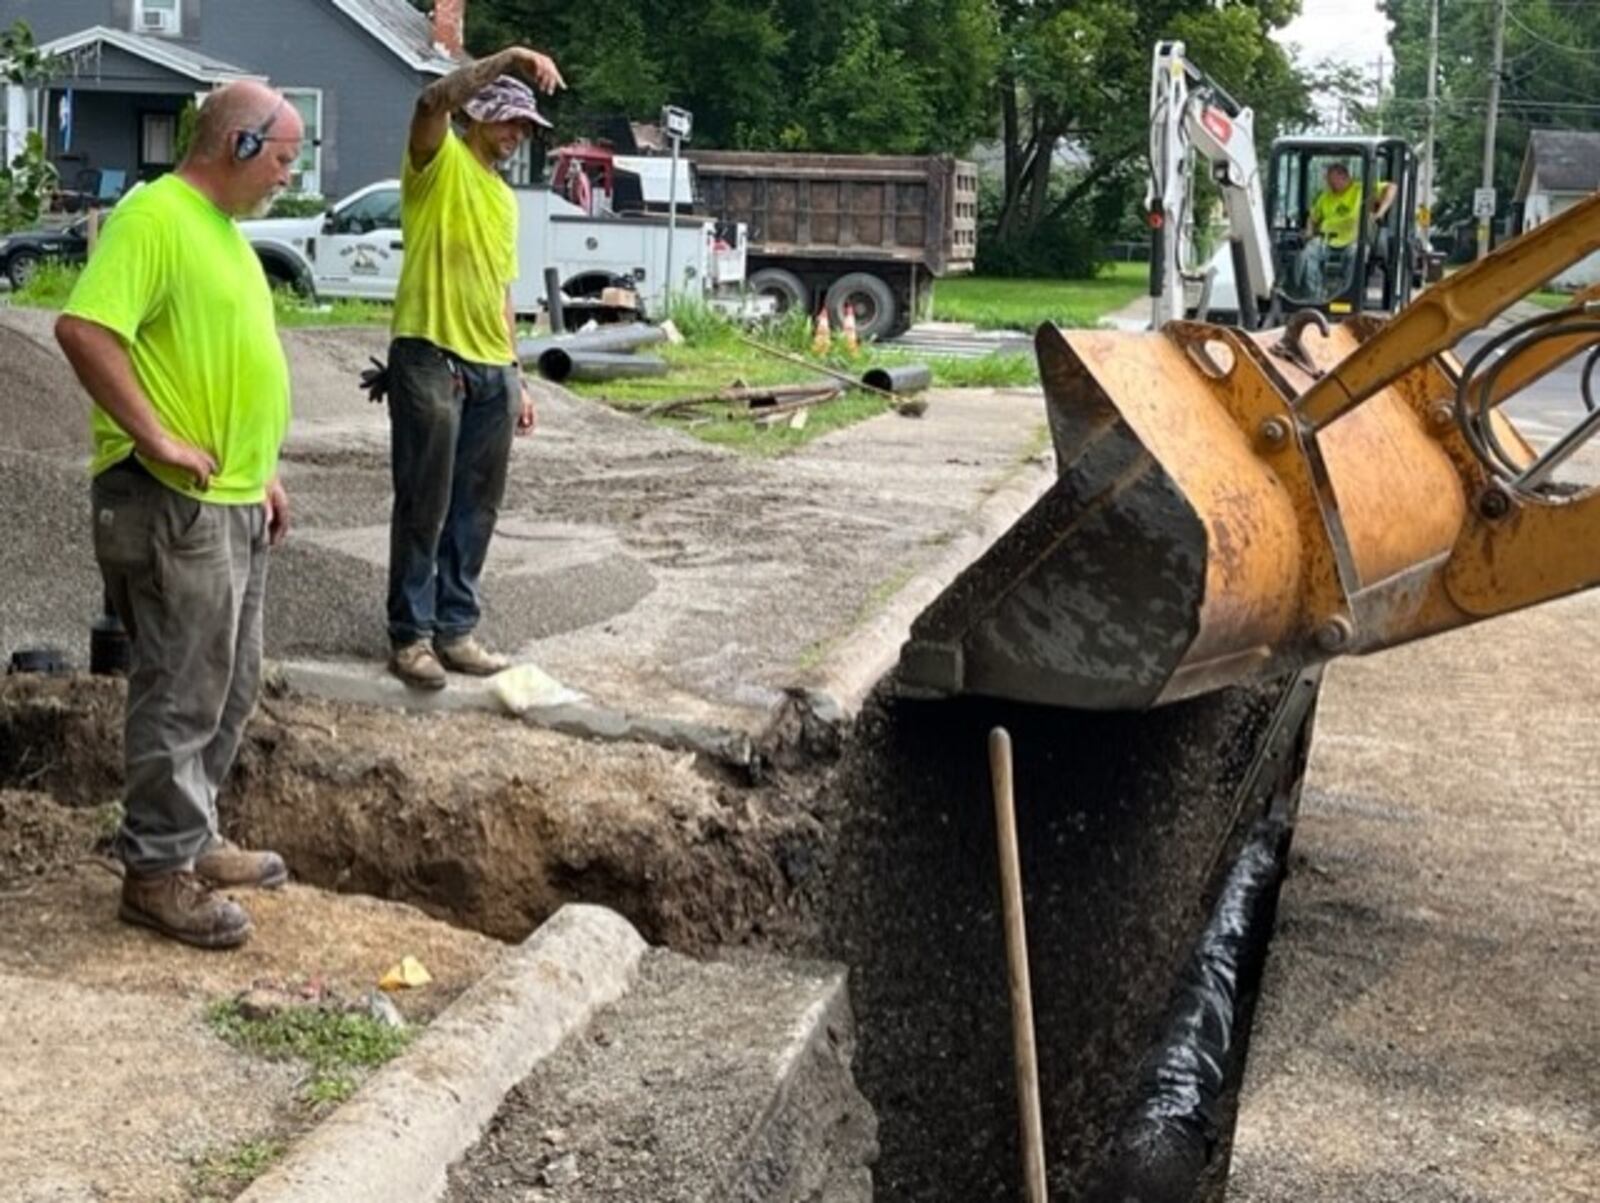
869	231
1233	509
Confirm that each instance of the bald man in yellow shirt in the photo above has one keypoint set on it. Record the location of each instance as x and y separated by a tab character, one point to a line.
1335	223
454	388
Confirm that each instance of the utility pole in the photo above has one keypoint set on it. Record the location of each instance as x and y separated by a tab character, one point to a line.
1429	197
1485	198
1377	109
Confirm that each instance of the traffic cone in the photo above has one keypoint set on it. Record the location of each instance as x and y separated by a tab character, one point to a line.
852	346
822	340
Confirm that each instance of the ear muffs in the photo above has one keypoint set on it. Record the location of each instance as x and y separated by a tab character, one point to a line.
251	142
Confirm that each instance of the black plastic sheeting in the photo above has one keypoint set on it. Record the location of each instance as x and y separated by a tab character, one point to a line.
1170	1137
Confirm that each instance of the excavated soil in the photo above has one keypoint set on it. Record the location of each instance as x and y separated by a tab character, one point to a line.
477	819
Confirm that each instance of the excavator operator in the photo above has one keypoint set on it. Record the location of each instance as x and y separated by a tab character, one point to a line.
1334	223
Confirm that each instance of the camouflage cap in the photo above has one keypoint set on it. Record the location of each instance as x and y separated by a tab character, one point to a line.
506	99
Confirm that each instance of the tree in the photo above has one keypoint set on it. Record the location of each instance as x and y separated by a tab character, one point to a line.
1551	80
1080	72
30	179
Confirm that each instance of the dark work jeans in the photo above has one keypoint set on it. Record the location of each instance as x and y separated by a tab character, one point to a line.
451	425
188	580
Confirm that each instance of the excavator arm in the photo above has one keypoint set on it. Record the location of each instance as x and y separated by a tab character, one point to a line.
1233	507
1191	114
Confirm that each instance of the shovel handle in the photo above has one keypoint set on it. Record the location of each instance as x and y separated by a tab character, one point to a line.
1024	1048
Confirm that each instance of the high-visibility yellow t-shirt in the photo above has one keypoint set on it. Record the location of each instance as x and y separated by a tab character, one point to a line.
172	276
460	223
1338	214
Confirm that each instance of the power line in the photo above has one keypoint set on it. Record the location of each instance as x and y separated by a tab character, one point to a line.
1582	52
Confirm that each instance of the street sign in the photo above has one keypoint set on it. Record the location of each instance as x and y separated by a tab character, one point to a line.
1483	203
677	122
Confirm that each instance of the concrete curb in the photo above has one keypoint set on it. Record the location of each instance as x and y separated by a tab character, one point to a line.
853	669
397	1138
368	685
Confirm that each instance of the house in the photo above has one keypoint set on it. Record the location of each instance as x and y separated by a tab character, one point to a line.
110	116
1560	168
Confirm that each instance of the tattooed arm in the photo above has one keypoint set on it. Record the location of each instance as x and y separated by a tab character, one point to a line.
431	120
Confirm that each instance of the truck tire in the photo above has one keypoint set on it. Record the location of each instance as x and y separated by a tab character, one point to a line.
788	289
281	273
872	301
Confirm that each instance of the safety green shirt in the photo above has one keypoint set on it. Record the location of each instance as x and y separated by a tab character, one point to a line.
1338	214
174	278
460	222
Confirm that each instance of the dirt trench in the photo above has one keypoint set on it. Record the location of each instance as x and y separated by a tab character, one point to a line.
479	820
876	852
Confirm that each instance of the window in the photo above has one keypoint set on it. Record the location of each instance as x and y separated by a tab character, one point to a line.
378	210
164	17
308	171
158	139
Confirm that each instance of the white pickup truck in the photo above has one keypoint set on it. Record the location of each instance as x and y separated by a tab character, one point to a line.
356	248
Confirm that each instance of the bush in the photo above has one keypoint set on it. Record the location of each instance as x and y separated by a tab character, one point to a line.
1073	244
299	204
50	286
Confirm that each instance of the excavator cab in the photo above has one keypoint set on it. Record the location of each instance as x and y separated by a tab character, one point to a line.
1326	259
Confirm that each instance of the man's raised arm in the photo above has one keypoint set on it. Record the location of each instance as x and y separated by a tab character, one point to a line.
431	120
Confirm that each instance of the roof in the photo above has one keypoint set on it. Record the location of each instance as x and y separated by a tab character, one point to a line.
161	51
400	27
1563	160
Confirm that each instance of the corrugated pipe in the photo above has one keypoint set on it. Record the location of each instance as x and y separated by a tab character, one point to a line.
1170	1136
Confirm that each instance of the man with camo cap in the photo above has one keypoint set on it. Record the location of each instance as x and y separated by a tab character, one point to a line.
455	393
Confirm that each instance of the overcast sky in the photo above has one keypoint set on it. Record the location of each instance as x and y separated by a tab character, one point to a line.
1352	31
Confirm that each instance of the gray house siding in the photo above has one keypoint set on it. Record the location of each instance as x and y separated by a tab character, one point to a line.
367	90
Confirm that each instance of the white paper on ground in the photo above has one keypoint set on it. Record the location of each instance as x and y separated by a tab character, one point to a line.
528	687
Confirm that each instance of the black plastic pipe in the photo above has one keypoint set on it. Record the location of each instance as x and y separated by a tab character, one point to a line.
906	378
575	363
601	338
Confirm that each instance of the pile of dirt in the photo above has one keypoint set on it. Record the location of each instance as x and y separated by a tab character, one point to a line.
39	836
42	406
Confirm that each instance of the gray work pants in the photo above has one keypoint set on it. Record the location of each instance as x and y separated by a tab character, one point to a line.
187	579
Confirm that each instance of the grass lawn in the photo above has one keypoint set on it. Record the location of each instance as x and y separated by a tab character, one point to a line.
712	358
996	304
1551	300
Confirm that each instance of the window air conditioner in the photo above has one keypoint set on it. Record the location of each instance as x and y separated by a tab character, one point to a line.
156	20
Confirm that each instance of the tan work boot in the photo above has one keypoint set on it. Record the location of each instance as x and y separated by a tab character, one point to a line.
467	655
417	666
225	865
182	906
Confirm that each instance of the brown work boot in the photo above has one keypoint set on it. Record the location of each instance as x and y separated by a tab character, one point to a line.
225	865
180	905
466	655
417	666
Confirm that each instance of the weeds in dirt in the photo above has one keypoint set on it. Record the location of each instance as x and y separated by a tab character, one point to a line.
335	1045
222	1175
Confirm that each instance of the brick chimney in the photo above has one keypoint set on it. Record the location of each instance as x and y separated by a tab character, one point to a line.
449	26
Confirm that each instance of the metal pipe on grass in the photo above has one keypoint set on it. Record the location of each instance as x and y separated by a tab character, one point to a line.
577	363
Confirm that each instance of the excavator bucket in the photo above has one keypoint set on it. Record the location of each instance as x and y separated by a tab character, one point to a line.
1181	549
1235	507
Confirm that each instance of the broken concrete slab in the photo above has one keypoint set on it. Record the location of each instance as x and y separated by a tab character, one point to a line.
716	1081
397	1136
